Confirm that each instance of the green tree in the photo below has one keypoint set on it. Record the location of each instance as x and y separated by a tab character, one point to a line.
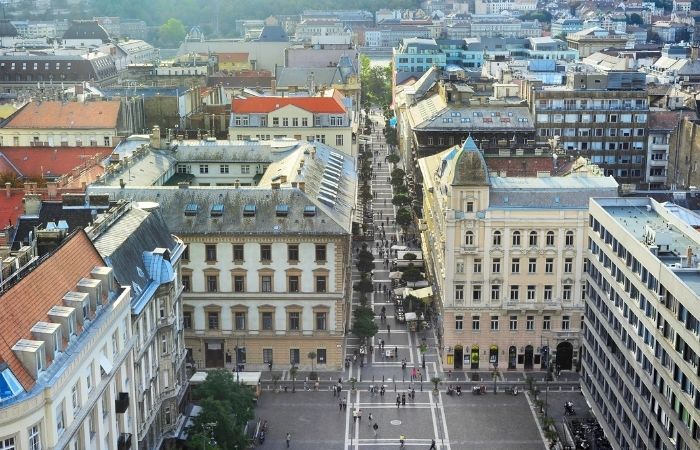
403	217
393	158
363	325
293	373
401	200
376	84
171	33
364	286
542	16
398	173
410	256
365	261
411	274
226	408
312	357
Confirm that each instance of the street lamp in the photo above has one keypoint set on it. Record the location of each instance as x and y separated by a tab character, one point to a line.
239	340
495	376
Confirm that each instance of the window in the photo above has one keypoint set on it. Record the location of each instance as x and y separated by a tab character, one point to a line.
60	422
496	238
530	323
275	121
320	355
548	292
238	252
245	168
294	319
532	265
321	319
339	139
477	266
187	320
321	283
549	265
494	323
266	283
531	292
213	320
34	438
295	121
476	293
468	238
267	355
239	320
459	267
186	283
566	292
516	238
515	265
265	252
513	323
304	121
546	323
515	293
476	326
212	283
75	396
320	253
210	252
293	283
496	265
293	252
495	292
568	265
533	238
238	283
470	206
459	322
569	239
223	168
459	292
294	356
565	322
204	168
267	321
8	444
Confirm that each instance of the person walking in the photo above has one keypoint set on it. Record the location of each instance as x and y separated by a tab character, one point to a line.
340	405
433	446
345	404
398	400
403	399
375	427
369	420
289	439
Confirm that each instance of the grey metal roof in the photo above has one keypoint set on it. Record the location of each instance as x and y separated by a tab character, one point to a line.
125	242
570	192
174	200
232	151
295	76
434	113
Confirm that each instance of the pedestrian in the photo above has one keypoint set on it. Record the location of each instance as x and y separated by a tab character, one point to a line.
388	329
403	399
382	391
345	405
369	420
359	415
432	445
354	416
289	438
376	428
340	405
398	400
396	352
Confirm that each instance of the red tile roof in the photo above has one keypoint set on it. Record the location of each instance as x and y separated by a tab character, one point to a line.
69	115
269	104
29	301
37	162
10	207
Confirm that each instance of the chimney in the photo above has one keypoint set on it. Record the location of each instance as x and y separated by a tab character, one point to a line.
302	186
183	185
273	85
694	51
689	257
32	204
275	186
155	137
52	189
237	184
283	179
8	189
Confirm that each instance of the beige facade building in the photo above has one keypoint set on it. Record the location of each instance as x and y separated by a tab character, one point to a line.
641	330
592	40
504	254
266	276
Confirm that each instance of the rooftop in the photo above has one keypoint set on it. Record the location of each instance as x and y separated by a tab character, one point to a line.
261	105
41	162
66	115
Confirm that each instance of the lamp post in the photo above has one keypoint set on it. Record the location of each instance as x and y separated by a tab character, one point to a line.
239	340
546	377
495	376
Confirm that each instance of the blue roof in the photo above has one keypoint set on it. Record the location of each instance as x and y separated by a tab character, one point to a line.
469	145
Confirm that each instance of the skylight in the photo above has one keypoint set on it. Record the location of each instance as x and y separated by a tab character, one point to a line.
282	210
309	211
191	209
9	386
249	210
217	210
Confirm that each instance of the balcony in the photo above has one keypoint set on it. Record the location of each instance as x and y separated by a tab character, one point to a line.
121	404
124	441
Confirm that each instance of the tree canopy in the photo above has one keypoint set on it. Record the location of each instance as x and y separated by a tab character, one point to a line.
226	407
542	16
376	83
172	32
363	325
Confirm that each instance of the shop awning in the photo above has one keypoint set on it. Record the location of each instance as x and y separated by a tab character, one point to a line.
423	292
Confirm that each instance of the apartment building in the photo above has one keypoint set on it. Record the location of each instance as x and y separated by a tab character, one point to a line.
591	40
601	116
504	256
266	273
314	119
144	255
641	329
66	352
498	6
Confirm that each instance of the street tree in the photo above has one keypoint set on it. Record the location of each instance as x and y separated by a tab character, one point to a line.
312	357
293	373
364	286
410	256
401	200
398	173
403	217
172	32
411	274
393	158
363	325
365	261
226	408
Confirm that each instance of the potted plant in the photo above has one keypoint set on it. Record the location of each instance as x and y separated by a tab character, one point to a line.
436	382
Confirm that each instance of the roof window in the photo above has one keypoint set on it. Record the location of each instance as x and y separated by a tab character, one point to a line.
191	209
310	211
282	210
249	210
217	210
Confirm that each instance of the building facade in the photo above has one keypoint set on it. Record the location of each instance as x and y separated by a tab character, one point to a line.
504	257
641	329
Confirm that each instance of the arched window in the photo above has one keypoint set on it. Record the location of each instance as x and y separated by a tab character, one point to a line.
496	238
550	238
533	238
516	238
569	239
468	238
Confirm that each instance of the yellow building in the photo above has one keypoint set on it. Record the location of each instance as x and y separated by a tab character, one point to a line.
233	62
506	258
